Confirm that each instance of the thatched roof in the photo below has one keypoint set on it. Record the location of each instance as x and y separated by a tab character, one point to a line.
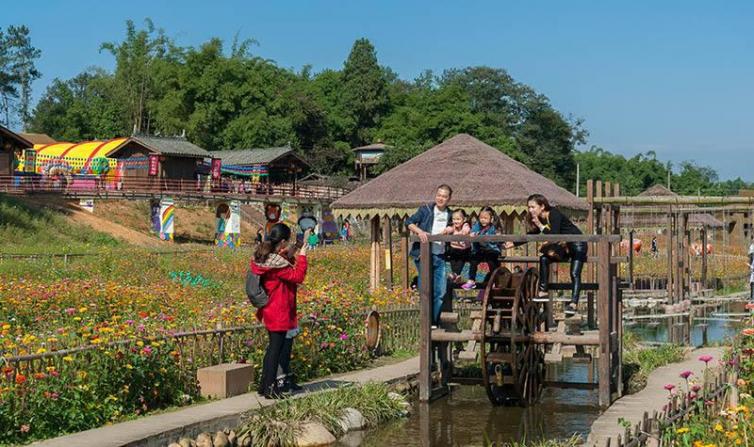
371	147
658	191
478	173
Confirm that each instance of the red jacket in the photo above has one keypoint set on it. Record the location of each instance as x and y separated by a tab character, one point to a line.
280	281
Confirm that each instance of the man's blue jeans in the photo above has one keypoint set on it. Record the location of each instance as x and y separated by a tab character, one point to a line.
439	283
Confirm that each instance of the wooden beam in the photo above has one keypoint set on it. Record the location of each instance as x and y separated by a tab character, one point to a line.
673	200
406	270
374	277
670	255
603	315
425	323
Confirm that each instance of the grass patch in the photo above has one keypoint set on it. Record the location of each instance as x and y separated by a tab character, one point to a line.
25	228
639	361
278	424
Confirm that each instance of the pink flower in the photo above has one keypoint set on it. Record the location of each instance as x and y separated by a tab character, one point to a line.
705	358
70	310
344	336
692	396
669	387
696	388
146	350
686	374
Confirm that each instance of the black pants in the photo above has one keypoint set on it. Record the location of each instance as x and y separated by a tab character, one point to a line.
278	354
457	259
490	257
577	252
751	295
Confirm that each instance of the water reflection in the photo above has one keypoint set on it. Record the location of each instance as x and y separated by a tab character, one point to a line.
466	416
718	331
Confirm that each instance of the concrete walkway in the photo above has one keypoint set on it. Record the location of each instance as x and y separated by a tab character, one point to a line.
632	407
162	429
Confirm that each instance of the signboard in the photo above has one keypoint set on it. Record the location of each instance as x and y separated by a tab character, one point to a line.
87	205
154	164
216	168
167	219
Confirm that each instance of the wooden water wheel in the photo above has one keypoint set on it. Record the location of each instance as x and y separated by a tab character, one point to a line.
512	365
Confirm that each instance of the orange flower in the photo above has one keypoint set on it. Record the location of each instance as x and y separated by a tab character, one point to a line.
20	379
748	331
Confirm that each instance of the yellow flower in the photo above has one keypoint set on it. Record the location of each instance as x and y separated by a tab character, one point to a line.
682	430
68	358
41	350
129	366
140	343
719	427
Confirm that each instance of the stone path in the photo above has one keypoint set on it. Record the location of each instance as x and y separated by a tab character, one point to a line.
651	398
162	429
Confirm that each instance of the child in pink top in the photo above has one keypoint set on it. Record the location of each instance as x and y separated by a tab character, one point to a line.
458	252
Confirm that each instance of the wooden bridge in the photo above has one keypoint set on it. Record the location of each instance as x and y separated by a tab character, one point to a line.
179	189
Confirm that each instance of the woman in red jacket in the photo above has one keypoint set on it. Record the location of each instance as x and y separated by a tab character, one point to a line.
280	279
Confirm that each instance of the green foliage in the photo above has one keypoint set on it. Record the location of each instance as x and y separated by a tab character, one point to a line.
639	361
17	72
642	171
231	100
28	229
277	424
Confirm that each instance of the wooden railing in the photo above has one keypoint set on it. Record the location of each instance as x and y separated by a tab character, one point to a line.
126	187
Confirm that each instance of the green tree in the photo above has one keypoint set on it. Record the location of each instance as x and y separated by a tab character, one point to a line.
17	72
364	91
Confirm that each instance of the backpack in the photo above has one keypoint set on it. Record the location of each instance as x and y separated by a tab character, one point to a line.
254	290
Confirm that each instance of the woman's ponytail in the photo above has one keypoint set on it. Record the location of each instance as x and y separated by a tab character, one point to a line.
278	234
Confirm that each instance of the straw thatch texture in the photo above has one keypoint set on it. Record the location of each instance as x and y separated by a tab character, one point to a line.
479	174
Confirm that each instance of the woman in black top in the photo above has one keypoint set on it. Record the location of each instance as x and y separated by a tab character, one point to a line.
545	219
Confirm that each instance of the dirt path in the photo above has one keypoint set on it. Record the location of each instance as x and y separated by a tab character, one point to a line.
115	230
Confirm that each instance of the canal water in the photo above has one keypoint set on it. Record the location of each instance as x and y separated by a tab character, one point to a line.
466	418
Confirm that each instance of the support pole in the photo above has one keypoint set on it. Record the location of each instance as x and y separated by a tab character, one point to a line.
387	238
703	277
670	256
603	314
631	259
425	317
374	274
405	271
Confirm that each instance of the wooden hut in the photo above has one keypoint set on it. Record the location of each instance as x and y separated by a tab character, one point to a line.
479	174
271	165
11	144
38	138
366	156
178	157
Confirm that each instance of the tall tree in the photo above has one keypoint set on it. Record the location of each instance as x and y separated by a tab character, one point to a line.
135	59
17	72
364	90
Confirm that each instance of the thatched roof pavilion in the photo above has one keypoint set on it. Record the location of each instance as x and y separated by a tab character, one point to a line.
479	174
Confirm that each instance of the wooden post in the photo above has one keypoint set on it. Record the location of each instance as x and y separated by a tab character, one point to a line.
608	218
670	257
374	275
631	259
603	313
703	277
406	271
598	194
590	271
387	238
425	317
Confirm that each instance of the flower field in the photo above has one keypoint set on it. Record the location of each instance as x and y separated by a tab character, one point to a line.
133	306
723	422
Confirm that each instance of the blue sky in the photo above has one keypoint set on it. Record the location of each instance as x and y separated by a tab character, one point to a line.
676	77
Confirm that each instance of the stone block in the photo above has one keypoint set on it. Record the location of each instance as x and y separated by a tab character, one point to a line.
225	379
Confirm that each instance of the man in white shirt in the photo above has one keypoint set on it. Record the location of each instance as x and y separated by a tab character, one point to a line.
432	219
